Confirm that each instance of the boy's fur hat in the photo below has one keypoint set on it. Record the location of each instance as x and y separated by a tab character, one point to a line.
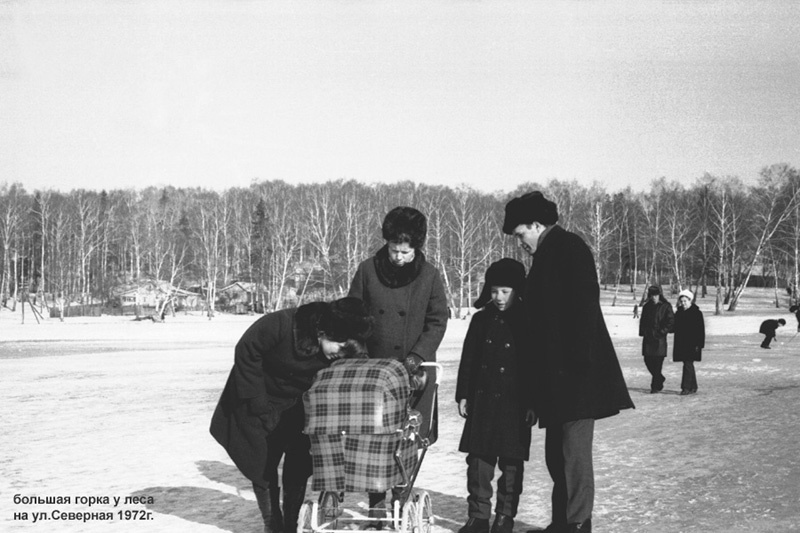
405	224
503	273
527	209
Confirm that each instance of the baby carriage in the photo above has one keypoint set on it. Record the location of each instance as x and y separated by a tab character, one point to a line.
369	432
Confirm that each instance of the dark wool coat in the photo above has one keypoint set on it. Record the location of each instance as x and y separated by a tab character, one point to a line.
690	334
489	379
410	319
275	362
769	327
575	368
657	320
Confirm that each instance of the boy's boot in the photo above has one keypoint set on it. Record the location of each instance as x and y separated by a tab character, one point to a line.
475	525
293	496
268	500
502	524
509	487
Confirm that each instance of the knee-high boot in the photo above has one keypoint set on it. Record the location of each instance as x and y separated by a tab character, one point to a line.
268	499
293	496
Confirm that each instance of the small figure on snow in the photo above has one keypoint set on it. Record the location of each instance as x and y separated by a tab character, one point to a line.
635	310
690	338
497	430
656	322
796	310
769	328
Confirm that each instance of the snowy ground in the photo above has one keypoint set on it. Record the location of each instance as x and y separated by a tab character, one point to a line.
107	407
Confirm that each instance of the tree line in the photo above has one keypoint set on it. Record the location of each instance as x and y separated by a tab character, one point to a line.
303	242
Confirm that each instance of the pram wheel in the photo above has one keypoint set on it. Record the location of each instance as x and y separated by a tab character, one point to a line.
424	505
304	517
329	509
410	520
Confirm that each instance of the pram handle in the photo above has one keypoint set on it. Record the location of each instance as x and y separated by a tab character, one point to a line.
439	370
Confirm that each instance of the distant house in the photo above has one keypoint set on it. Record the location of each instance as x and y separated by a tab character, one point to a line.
241	297
144	297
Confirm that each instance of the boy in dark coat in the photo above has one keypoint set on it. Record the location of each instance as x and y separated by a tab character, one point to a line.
259	418
768	329
488	393
575	373
657	321
690	339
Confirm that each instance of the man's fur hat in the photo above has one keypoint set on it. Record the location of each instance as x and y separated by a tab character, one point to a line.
527	209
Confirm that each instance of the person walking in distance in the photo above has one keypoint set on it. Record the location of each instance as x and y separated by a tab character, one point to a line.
689	341
574	371
657	321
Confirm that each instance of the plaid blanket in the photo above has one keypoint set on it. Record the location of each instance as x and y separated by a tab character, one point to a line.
358	396
360	463
356	418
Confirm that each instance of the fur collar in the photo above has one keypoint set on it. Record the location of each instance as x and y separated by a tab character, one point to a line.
306	333
393	276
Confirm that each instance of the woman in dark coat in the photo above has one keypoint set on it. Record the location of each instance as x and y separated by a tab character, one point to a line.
489	396
690	338
656	322
405	295
259	418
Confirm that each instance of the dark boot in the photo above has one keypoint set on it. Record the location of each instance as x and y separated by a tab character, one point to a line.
475	525
269	504
377	511
293	496
583	527
502	524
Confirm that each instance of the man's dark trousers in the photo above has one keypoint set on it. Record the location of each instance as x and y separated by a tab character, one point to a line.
568	455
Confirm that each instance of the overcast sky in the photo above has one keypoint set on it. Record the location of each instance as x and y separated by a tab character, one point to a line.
116	94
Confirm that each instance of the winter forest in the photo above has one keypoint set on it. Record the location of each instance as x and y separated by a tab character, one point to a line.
303	242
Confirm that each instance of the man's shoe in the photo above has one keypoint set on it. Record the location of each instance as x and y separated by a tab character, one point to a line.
552	528
475	525
502	524
685	392
583	527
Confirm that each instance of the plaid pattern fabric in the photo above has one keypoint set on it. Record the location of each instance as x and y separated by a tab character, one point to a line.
358	396
360	463
356	417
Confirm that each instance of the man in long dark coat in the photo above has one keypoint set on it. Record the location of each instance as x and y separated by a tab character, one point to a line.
574	365
657	321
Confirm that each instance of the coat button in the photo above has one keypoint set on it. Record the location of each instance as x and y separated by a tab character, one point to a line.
508	345
380	311
488	341
401	313
397	347
502	369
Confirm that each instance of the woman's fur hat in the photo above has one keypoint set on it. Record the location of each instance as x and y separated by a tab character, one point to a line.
503	273
405	224
527	209
686	292
346	319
